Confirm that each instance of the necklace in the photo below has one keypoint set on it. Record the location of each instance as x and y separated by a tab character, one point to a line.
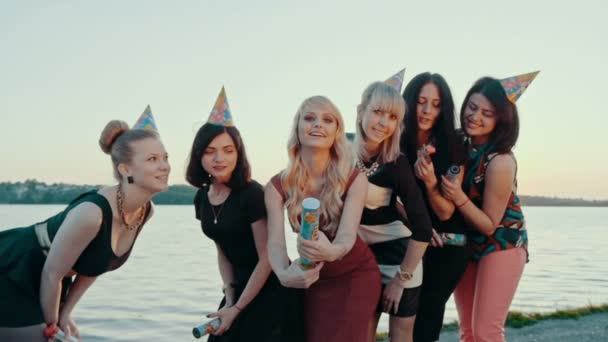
217	215
367	171
120	203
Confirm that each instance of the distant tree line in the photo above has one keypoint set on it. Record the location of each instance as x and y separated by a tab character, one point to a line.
34	192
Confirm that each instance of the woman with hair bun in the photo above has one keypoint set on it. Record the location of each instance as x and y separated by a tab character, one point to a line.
46	268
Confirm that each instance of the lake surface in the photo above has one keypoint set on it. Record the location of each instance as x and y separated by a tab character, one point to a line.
172	280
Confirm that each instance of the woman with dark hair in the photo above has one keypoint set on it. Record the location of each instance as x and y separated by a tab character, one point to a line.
489	204
230	206
93	235
430	125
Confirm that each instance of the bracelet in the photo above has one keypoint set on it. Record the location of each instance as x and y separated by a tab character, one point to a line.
50	331
238	307
463	203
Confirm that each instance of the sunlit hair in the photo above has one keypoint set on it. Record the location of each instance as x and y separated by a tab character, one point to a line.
380	96
116	139
296	176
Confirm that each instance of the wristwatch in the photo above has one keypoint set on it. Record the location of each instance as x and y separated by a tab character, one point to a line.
404	275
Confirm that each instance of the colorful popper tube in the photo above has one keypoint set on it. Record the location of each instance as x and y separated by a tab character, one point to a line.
453	172
310	225
454	239
206	328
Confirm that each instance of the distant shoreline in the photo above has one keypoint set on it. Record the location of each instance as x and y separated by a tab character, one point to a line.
35	192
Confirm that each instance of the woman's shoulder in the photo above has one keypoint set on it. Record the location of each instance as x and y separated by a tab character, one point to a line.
401	163
502	162
94	202
252	188
276	180
200	195
87	215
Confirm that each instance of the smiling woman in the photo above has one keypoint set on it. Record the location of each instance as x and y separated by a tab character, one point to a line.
93	235
398	249
230	208
343	288
489	203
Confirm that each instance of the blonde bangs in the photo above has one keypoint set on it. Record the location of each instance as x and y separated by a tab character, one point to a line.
296	176
382	96
387	101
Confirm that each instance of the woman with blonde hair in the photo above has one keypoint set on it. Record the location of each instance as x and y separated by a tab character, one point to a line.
398	250
342	290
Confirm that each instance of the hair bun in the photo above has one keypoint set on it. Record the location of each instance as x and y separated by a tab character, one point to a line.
110	133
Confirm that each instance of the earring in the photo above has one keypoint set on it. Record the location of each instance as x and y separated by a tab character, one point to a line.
130	179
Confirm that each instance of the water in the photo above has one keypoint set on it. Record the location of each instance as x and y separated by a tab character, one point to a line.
171	280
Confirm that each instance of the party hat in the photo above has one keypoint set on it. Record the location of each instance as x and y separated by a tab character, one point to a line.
396	81
220	114
516	85
146	121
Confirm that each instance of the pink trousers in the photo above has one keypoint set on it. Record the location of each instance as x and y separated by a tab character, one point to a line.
485	292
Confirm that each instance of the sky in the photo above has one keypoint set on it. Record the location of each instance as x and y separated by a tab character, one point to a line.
68	67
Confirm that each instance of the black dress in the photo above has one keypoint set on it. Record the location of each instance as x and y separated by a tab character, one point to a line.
22	258
443	266
275	313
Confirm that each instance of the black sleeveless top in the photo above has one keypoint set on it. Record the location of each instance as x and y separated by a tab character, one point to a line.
98	257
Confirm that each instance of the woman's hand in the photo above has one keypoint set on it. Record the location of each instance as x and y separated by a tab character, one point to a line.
227	315
425	170
453	191
68	326
391	296
316	250
229	294
436	240
296	277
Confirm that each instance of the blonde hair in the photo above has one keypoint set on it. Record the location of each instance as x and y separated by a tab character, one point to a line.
384	97
116	139
295	177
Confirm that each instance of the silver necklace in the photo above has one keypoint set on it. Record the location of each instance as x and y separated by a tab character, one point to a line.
367	171
215	216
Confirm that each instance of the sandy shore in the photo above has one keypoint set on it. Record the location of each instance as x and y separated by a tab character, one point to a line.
593	327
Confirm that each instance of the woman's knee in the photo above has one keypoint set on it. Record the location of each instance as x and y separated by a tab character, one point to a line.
489	332
404	324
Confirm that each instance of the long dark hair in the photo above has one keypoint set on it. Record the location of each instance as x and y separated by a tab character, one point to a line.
196	174
506	132
443	132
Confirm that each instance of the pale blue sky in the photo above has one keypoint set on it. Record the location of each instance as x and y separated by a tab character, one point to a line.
67	67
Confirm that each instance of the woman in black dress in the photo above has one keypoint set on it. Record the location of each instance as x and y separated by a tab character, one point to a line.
431	123
230	206
46	268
